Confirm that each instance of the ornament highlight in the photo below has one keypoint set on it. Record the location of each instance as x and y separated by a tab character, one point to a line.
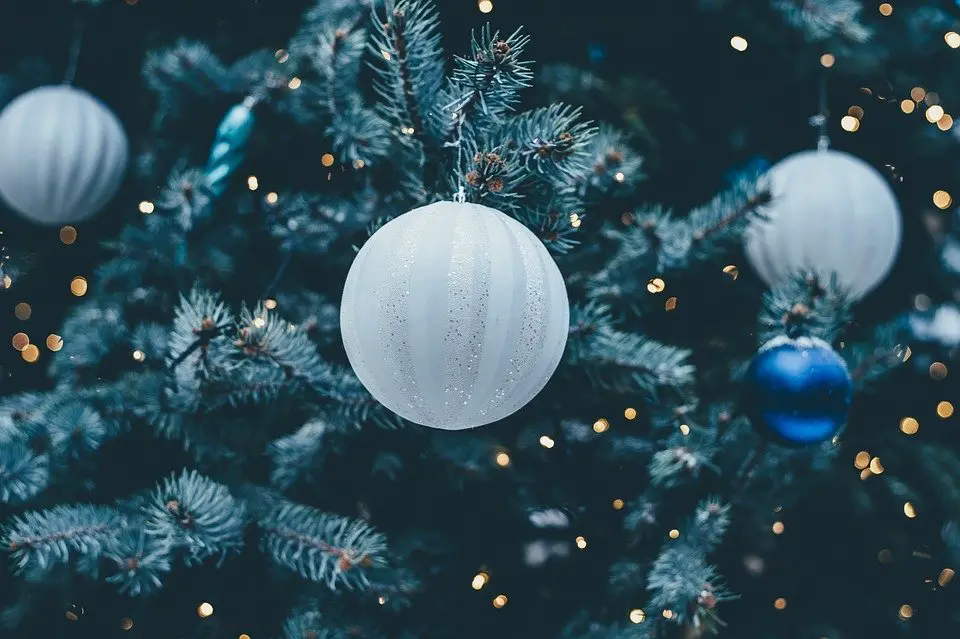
454	315
229	148
831	214
798	390
63	155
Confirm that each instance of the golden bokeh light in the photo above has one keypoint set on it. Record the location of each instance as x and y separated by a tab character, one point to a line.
938	370
205	610
876	467
905	612
934	113
917	93
732	271
849	123
601	425
946	576
945	409
253	183
778	527
909	425
68	235
855	111
485	6
546	441
908	106
294	83
674	533
327	159
126	623
862	460
945	123
503	459
146	207
670	304
886	9
656	285
909	510
684	429
942	199
479	580
952	38
78	286
30	354
827	60
617	504
630	413
581	542
272	198
54	342
20	341
22	311
637	615
780	603
499	601
739	43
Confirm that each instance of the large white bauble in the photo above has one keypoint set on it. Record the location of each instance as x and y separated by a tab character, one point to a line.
454	315
63	155
831	214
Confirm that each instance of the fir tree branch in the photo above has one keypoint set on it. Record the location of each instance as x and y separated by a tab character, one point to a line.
322	548
40	539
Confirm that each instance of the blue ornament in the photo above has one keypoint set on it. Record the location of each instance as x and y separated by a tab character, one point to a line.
798	390
229	148
597	52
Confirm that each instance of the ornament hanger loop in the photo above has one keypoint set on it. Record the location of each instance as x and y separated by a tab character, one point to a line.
820	119
461	196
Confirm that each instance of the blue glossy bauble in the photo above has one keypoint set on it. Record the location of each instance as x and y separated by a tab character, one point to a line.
229	148
798	391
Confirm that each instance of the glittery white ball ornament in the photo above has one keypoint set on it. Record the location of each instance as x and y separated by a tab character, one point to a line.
454	315
831	214
63	155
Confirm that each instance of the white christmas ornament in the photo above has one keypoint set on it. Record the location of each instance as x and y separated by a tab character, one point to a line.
454	315
63	154
831	214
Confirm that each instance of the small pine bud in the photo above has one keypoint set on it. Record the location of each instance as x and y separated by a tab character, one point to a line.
495	185
473	178
500	50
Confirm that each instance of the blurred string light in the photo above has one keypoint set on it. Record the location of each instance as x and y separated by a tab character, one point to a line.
945	123
20	341
862	460
942	199
253	183
272	198
78	286
281	55
204	610
23	311
617	504
546	441
855	111
909	510
630	413
485	6
146	207
126	623
674	533
938	370
479	580
637	615
54	342
581	542
684	429
139	355
499	601
828	60
601	425
732	271
502	459
946	575
934	113
780	603
945	409
909	426
327	159
849	123
30	354
656	285
295	83
777	528
670	304
68	235
908	106
952	38
739	43
905	612
886	9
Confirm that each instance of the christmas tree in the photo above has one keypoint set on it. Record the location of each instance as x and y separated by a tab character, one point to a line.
199	459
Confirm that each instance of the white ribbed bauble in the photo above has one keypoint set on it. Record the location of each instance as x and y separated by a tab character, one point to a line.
63	155
832	214
454	315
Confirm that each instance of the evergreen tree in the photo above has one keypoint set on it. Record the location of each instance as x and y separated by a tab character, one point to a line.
204	445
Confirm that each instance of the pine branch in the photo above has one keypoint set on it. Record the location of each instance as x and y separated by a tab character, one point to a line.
41	539
322	548
804	305
23	473
196	516
140	562
823	19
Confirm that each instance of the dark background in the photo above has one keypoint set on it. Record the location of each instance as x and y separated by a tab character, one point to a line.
722	110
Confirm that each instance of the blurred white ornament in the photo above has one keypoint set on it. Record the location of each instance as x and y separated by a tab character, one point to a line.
454	315
831	214
63	155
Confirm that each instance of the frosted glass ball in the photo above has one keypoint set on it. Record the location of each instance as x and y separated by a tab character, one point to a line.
454	315
831	214
63	155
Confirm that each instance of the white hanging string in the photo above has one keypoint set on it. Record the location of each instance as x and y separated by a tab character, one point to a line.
820	120
72	61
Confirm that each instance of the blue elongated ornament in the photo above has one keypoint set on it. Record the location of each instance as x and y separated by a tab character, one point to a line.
229	148
798	391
